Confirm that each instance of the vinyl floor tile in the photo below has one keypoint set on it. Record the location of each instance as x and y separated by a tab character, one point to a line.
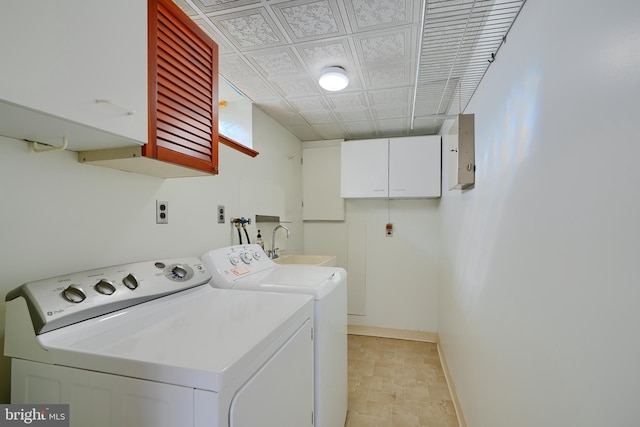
397	383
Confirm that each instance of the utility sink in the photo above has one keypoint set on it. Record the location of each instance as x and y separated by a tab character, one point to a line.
321	260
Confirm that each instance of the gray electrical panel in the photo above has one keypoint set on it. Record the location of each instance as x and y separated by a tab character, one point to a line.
462	156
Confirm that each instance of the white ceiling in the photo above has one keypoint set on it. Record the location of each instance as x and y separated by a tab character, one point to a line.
403	80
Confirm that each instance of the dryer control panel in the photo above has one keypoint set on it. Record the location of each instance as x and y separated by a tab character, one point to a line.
232	262
71	298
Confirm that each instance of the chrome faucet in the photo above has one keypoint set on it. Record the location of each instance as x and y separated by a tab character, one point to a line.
273	254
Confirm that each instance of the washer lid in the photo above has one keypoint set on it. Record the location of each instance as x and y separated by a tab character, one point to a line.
300	279
202	338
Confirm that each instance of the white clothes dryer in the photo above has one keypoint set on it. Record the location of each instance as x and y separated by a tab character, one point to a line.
248	268
152	344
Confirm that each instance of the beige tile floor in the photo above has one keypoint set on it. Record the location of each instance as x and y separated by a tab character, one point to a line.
397	383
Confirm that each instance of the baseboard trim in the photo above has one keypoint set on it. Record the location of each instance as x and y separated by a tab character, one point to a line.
462	422
403	334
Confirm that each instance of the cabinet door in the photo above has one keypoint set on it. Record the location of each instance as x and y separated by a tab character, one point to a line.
414	166
183	90
364	168
60	57
321	184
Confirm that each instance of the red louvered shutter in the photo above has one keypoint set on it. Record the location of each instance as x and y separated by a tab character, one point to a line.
183	86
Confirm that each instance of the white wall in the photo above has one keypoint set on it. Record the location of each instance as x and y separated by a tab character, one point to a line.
539	289
58	216
399	274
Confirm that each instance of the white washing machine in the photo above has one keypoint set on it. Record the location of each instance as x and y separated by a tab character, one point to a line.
153	344
247	267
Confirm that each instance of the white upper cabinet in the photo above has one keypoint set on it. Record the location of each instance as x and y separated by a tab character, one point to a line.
408	167
74	68
364	168
414	166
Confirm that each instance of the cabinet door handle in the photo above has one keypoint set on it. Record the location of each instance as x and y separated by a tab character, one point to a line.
379	189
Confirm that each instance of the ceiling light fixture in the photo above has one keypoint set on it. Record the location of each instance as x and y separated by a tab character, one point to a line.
333	78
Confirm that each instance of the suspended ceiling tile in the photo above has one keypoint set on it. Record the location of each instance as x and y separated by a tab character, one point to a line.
388	76
209	6
390	97
292	119
426	126
224	46
314	103
297	85
279	104
304	132
236	68
345	101
276	62
369	15
186	7
384	47
250	29
284	116
390	112
261	92
353	115
305	20
240	74
319	117
331	131
319	55
393	127
359	130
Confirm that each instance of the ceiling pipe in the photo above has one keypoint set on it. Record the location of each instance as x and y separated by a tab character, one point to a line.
415	88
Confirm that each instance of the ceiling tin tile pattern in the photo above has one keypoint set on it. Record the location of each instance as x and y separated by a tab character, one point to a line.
305	20
403	80
367	14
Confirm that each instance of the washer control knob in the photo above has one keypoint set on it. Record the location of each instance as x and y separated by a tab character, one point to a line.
234	260
105	287
130	281
74	293
246	257
178	272
256	255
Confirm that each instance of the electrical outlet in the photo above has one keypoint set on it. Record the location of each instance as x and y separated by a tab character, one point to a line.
162	212
221	214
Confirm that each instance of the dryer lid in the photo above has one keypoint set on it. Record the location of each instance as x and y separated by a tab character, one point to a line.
203	338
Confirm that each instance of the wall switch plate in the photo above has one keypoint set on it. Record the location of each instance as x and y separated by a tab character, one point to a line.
221	214
162	212
389	230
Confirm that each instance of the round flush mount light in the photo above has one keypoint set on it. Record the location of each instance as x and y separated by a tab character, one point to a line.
333	79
